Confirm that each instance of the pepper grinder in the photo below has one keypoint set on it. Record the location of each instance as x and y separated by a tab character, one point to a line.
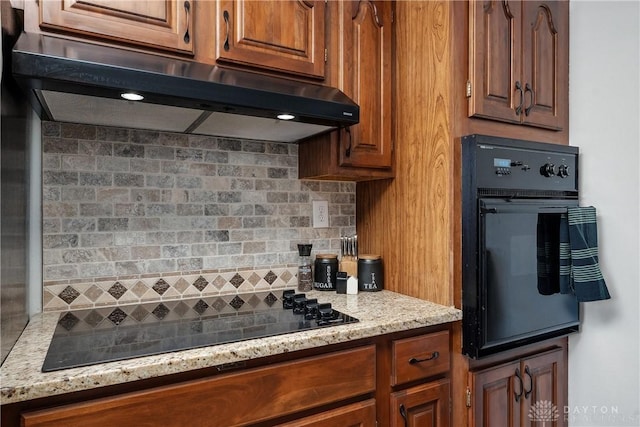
305	278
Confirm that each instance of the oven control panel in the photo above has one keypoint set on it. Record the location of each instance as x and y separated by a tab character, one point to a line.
526	165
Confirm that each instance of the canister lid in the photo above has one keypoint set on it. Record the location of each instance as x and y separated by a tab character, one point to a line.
327	256
369	257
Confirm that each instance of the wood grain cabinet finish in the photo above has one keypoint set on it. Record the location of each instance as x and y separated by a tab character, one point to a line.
283	36
419	357
360	64
360	414
234	399
161	24
365	76
524	392
519	62
426	405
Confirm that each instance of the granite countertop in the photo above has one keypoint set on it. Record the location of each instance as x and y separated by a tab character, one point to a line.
379	313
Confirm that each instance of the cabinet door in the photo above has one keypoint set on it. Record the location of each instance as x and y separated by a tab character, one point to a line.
545	51
497	394
165	24
426	405
495	60
544	378
361	414
365	76
285	36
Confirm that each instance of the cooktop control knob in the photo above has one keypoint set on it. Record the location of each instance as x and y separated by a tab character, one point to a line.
548	170
563	171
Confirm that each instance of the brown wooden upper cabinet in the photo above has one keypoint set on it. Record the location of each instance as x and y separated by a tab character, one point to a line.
360	64
365	76
162	24
519	62
283	36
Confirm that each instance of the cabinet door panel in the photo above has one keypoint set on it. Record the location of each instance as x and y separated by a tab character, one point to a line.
241	398
494	391
545	64
426	405
544	378
495	59
361	414
165	24
365	76
284	36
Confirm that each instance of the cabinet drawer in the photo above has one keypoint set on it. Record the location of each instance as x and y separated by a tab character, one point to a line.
419	357
234	399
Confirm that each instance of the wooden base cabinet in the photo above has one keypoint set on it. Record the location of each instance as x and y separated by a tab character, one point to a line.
398	379
520	393
361	414
426	405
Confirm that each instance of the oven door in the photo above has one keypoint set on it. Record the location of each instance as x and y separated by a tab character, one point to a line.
512	309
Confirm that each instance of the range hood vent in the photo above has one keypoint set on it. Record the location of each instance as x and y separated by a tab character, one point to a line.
79	82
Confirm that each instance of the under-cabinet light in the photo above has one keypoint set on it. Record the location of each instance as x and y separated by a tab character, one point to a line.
131	96
286	116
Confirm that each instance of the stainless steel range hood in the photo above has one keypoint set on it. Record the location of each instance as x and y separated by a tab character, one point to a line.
79	82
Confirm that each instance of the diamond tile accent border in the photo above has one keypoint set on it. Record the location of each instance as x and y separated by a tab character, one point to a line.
120	291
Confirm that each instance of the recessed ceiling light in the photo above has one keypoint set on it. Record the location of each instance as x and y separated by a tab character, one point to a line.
130	96
286	116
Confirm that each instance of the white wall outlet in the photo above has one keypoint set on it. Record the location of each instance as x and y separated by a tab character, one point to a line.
320	214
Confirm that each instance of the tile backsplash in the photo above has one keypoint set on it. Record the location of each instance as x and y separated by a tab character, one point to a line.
135	216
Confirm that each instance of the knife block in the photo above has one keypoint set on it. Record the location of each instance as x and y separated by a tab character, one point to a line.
350	266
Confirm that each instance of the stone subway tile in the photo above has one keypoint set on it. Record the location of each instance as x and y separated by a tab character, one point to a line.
78	194
112	164
57	241
96	179
113	224
59	145
78	225
79	131
96	209
60	178
95	148
145	252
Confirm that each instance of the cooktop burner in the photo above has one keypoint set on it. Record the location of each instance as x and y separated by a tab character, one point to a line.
88	337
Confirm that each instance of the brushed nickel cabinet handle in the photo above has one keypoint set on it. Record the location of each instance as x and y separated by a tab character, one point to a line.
433	356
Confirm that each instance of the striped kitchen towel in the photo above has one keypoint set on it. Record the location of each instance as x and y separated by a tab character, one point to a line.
579	268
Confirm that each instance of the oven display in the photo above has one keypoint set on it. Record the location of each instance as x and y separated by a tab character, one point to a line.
501	163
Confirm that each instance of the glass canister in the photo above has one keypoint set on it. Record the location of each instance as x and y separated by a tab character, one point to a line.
325	269
370	275
305	278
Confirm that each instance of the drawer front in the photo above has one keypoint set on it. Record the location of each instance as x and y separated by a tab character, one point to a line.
234	399
420	357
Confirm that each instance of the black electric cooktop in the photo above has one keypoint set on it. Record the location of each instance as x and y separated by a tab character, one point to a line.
88	337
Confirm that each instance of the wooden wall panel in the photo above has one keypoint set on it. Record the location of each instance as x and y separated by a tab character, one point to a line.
409	220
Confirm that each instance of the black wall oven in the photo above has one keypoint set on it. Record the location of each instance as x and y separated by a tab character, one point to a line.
513	193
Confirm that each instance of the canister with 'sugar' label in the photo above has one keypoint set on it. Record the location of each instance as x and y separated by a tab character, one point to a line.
325	269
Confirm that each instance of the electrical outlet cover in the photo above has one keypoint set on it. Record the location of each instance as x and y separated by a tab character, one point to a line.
320	214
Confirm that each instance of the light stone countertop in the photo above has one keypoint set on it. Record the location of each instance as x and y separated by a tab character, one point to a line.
379	313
